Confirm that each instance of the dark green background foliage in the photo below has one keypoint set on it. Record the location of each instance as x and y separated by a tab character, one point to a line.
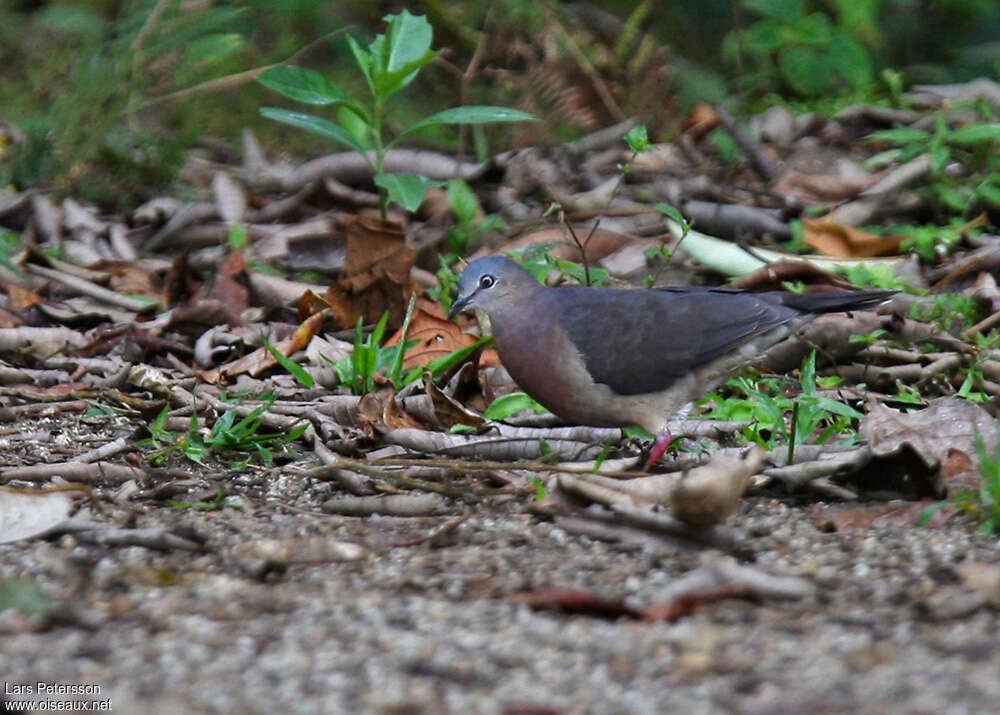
100	90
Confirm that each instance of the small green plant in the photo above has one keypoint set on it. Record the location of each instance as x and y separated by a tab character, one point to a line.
983	504
973	147
369	358
215	505
389	63
674	214
539	262
808	52
447	282
776	418
229	434
468	225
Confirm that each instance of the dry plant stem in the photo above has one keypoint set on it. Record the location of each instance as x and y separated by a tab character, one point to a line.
91	290
761	162
715	536
794	476
153	538
75	472
103	452
240	78
605	95
983	326
488	466
13	414
331	473
910	372
436	533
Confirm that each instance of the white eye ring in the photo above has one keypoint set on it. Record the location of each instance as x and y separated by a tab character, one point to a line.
487	282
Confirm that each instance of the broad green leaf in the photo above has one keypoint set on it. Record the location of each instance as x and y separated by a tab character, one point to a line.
388	83
364	60
463	201
807	70
989	192
476	114
441	365
637	139
296	370
902	135
503	407
763	38
303	85
975	134
408	190
851	61
355	125
407	38
784	10
312	123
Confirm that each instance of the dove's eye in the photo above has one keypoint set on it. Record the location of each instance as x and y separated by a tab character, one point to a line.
487	282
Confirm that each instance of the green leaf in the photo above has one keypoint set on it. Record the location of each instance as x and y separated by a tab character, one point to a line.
24	597
443	364
637	139
851	61
901	136
296	370
975	134
303	85
355	124
783	10
463	201
364	60
397	362
408	190
807	70
989	192
477	114
503	407
388	83
314	124
407	38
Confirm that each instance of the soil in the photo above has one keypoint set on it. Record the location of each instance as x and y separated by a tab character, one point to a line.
414	625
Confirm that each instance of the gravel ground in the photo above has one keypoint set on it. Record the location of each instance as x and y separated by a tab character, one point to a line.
432	628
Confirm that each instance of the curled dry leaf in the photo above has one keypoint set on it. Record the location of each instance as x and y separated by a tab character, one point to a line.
836	239
708	494
932	436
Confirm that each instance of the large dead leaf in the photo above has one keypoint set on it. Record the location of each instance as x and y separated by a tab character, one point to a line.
376	274
836	239
925	441
24	514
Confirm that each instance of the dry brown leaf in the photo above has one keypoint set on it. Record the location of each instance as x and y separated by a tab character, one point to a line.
376	274
129	277
435	338
840	241
21	299
229	285
261	360
708	494
918	444
447	410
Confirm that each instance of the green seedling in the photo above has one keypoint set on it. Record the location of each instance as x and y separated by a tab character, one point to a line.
983	504
358	369
468	225
972	146
537	260
776	418
811	53
230	434
296	370
215	505
389	63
